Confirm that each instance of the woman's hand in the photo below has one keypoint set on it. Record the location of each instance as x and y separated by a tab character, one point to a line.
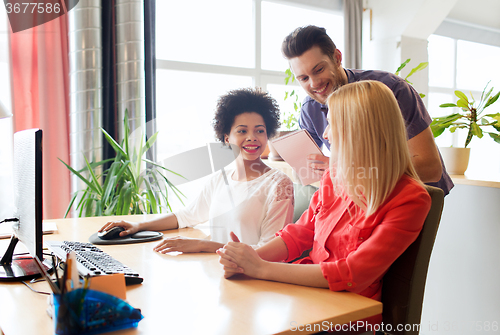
238	257
186	245
130	227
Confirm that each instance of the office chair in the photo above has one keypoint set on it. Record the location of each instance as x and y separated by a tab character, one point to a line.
404	283
302	195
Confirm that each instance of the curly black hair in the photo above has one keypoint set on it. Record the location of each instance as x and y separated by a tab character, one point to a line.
244	100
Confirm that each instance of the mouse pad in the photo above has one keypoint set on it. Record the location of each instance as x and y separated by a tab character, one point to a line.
142	236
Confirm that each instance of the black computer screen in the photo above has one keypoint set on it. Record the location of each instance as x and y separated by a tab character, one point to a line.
28	207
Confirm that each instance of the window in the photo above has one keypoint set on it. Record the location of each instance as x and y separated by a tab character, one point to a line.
206	48
467	66
279	20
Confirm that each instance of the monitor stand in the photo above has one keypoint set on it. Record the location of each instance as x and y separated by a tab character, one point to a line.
18	268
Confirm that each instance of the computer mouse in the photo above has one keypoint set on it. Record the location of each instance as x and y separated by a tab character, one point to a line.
111	233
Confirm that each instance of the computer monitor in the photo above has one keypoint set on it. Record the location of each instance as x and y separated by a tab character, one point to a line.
28	203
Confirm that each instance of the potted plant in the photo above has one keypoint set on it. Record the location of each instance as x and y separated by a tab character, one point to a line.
291	121
472	118
132	184
290	117
417	68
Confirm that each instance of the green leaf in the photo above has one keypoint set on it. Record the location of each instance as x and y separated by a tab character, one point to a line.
89	184
109	178
492	100
95	180
127	199
419	67
112	208
463	104
447	105
402	66
70	204
476	130
121	199
109	190
162	167
446	120
126	129
495	137
114	144
494	116
462	96
98	208
436	131
149	143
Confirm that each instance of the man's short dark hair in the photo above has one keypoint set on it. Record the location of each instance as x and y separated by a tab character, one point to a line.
304	38
243	100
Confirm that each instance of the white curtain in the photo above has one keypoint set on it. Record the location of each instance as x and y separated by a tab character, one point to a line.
353	17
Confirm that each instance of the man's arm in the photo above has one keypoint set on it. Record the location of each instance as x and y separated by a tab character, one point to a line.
425	156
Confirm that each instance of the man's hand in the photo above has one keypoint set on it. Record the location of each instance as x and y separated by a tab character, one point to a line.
318	163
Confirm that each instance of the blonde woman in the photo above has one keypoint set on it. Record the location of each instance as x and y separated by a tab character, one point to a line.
370	206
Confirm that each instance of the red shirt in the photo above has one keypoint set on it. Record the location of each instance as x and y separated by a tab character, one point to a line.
355	251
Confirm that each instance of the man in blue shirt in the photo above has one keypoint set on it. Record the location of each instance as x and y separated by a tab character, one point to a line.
317	65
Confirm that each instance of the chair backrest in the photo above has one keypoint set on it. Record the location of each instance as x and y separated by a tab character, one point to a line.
302	195
404	284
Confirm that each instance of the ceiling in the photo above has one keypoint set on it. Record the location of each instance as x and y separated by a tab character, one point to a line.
478	12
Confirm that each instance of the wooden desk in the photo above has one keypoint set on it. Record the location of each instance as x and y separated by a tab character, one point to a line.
187	294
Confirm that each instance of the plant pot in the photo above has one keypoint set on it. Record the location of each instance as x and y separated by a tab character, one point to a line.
455	160
273	154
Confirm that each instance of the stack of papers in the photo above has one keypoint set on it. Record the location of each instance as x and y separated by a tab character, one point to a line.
49	227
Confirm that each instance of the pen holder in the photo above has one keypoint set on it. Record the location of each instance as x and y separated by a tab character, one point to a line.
84	311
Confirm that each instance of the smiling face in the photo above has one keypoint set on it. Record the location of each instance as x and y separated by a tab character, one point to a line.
318	74
249	133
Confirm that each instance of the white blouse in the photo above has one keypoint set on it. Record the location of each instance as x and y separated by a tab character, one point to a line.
254	210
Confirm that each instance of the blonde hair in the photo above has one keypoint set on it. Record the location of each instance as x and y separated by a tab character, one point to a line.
370	142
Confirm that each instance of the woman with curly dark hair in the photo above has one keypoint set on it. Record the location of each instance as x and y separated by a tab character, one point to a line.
248	198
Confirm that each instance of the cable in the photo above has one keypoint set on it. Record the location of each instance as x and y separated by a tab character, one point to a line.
10	220
31	288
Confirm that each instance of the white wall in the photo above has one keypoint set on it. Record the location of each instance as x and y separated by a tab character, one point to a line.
462	292
392	22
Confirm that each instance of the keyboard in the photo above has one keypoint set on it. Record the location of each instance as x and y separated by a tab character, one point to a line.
93	261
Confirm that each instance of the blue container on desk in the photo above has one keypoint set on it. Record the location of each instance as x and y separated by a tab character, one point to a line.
84	311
